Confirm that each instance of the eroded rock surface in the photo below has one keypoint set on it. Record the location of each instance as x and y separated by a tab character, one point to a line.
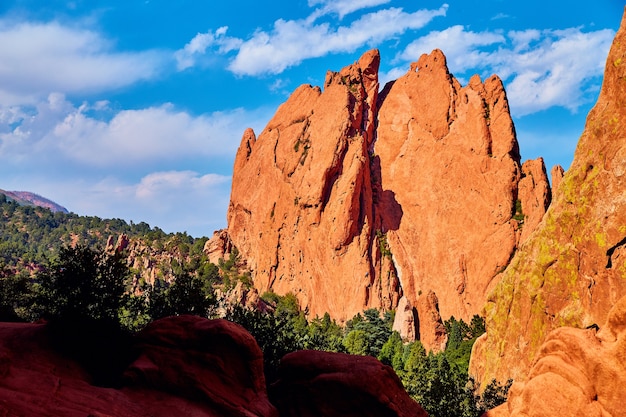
450	159
578	373
301	210
573	267
185	364
352	201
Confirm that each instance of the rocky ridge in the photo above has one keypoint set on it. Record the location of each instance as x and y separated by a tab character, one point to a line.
351	200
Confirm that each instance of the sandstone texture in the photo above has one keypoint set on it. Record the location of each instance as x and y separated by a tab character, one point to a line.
572	269
450	164
352	200
579	372
534	196
300	212
185	364
314	383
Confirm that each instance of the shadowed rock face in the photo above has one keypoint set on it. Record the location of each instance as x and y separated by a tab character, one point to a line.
314	383
578	373
351	201
185	364
572	269
191	366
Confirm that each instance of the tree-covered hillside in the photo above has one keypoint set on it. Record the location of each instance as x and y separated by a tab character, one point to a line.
29	235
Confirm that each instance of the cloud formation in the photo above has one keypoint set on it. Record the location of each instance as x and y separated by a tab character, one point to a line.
342	7
540	68
39	58
292	41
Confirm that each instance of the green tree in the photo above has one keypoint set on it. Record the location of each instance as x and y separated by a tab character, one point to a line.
83	283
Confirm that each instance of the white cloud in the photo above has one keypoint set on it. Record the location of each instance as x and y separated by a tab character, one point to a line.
460	46
343	7
161	133
196	47
540	69
292	41
39	58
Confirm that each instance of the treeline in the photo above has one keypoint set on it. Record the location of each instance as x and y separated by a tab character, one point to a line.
31	235
438	381
85	296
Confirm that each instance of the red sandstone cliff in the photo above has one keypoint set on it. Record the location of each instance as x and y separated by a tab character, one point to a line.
572	269
352	201
301	211
450	165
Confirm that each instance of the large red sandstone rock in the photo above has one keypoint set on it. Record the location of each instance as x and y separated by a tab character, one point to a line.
449	157
350	200
572	269
314	383
578	373
187	365
300	212
534	195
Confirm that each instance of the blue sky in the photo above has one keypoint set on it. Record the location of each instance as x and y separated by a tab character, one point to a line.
134	109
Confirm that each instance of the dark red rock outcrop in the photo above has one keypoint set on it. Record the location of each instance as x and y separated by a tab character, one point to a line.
578	373
573	267
314	383
186	364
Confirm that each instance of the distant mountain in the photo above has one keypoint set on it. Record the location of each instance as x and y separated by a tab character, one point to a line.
25	198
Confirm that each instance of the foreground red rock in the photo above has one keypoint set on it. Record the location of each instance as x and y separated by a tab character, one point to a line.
579	373
314	383
186	365
572	269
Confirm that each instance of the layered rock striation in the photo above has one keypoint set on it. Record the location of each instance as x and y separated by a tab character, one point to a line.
352	200
572	269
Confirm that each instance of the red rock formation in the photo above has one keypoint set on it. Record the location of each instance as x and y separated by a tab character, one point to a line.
572	269
432	332
314	383
556	173
300	211
186	364
218	246
350	200
405	321
534	195
449	159
579	373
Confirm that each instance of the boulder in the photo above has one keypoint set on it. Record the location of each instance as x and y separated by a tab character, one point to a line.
183	364
315	383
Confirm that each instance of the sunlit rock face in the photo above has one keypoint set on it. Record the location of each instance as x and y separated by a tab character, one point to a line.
572	269
578	373
351	199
